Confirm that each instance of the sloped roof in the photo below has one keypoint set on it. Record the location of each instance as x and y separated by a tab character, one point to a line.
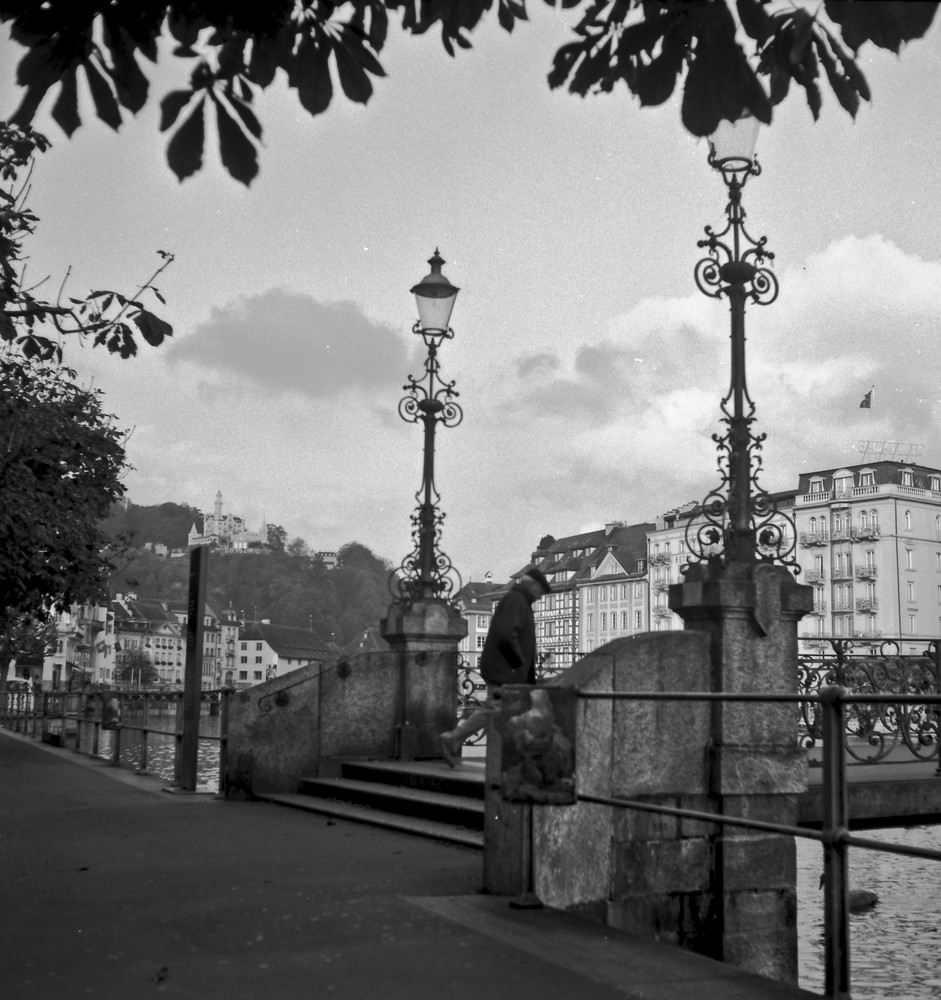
628	543
285	640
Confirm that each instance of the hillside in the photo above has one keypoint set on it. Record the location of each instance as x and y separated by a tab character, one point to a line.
338	604
165	524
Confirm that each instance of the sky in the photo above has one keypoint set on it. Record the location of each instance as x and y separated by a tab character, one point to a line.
590	368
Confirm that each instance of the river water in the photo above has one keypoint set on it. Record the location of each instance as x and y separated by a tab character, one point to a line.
895	948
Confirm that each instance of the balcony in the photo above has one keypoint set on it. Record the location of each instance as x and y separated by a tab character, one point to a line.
869	604
821	496
809	538
815	576
660	559
867	532
842	607
842	573
661	585
661	611
865	572
818	609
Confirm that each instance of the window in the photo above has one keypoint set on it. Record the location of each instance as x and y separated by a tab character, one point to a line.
481	639
481	621
243	659
909	558
257	675
816	486
258	659
864	519
604	621
906	477
911	624
602	595
591	620
624	621
911	591
908	520
243	675
935	483
875	520
623	591
837	524
813	526
258	645
866	479
638	622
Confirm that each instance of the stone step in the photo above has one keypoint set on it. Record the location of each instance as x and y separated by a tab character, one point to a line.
440	806
467	779
447	832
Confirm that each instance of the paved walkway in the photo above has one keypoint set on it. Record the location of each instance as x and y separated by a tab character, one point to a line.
112	888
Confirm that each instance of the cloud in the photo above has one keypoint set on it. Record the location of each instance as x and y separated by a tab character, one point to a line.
283	341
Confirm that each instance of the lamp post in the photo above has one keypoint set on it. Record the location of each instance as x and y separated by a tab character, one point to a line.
426	573
741	522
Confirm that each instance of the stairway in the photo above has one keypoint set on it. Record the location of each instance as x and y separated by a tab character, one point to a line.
426	798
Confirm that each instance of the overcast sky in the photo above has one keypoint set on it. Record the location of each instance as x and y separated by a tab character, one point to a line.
589	366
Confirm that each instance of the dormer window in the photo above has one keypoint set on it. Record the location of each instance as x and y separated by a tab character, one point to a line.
906	477
816	485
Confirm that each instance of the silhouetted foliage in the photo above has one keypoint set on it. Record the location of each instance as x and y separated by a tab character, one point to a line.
236	50
33	326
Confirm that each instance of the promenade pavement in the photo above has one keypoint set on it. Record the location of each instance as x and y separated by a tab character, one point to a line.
111	887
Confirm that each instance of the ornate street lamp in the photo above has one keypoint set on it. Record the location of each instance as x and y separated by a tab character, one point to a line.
741	522
426	573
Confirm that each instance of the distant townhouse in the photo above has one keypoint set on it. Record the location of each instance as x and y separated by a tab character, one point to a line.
147	629
598	584
267	651
869	542
476	602
83	651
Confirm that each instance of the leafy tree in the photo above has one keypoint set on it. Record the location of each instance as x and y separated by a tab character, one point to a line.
726	57
61	459
298	548
165	524
34	326
136	670
277	536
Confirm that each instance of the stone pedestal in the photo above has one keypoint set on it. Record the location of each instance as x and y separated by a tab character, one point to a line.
755	768
424	635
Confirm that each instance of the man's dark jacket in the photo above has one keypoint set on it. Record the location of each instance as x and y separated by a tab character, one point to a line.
509	653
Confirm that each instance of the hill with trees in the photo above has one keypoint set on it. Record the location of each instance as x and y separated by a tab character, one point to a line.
287	589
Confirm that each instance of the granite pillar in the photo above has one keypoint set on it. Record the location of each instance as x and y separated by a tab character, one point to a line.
424	636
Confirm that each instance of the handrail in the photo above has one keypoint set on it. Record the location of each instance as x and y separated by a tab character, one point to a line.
53	711
834	834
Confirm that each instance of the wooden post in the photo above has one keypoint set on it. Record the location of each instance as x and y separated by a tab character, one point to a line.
192	672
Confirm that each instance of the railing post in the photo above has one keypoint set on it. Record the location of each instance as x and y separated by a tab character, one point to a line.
224	694
835	862
143	735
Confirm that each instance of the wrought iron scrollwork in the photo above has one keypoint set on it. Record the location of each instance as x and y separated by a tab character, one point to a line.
739	520
427	572
875	729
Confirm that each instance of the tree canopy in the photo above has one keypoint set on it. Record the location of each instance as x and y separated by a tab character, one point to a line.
728	56
61	460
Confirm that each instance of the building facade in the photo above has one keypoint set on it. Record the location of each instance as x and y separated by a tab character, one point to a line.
593	574
267	651
869	543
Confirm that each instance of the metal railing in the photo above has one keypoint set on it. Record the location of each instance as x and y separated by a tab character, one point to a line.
875	727
125	728
834	834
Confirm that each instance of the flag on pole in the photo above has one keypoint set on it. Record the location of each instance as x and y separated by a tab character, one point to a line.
866	404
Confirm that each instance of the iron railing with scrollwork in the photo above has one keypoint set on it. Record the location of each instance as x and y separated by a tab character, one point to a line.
875	729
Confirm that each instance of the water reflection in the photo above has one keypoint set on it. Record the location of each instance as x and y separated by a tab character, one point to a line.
894	946
161	747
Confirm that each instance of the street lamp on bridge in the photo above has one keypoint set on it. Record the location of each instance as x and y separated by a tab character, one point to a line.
741	522
426	573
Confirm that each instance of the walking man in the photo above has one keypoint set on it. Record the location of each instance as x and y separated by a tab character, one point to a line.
508	656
